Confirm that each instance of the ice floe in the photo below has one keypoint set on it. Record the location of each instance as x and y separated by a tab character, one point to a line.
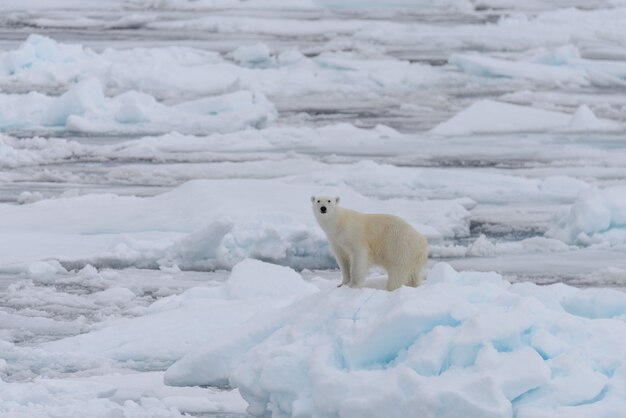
84	108
489	116
562	65
206	224
140	395
452	346
463	341
202	224
44	64
492	67
598	216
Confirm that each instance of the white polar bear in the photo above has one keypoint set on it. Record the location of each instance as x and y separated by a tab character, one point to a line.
361	240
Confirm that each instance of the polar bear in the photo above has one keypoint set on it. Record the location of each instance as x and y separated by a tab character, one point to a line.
360	240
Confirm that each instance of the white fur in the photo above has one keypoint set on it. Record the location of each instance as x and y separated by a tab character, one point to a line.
361	240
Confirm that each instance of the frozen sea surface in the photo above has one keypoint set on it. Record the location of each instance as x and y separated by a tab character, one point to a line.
148	148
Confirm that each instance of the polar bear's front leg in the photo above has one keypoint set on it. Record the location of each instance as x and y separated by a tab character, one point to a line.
344	265
358	268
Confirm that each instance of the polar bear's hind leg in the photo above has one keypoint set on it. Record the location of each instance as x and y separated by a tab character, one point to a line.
397	277
419	272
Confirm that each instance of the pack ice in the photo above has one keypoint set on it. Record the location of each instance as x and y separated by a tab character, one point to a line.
131	280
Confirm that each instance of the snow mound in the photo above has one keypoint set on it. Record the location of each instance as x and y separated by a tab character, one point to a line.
44	63
44	271
488	116
482	247
40	51
585	120
84	108
461	344
252	55
254	279
596	216
84	97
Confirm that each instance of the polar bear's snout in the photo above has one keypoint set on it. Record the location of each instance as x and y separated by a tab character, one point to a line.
324	205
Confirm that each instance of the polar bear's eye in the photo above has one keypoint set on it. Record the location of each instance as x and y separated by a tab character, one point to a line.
318	201
329	201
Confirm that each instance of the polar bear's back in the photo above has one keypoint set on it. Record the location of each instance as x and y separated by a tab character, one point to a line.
392	242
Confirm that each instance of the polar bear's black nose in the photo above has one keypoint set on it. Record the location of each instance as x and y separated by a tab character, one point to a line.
323	209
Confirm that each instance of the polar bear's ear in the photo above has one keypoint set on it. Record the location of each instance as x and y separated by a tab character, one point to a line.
337	200
312	199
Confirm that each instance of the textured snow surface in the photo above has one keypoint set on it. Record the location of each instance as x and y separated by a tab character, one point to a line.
463	343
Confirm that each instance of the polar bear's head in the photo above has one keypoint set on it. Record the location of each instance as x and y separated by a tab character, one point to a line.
324	205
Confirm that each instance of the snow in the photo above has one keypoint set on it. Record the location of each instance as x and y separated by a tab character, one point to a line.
493	67
462	342
159	257
558	66
203	224
84	108
117	394
273	281
171	72
585	120
597	216
488	116
252	55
